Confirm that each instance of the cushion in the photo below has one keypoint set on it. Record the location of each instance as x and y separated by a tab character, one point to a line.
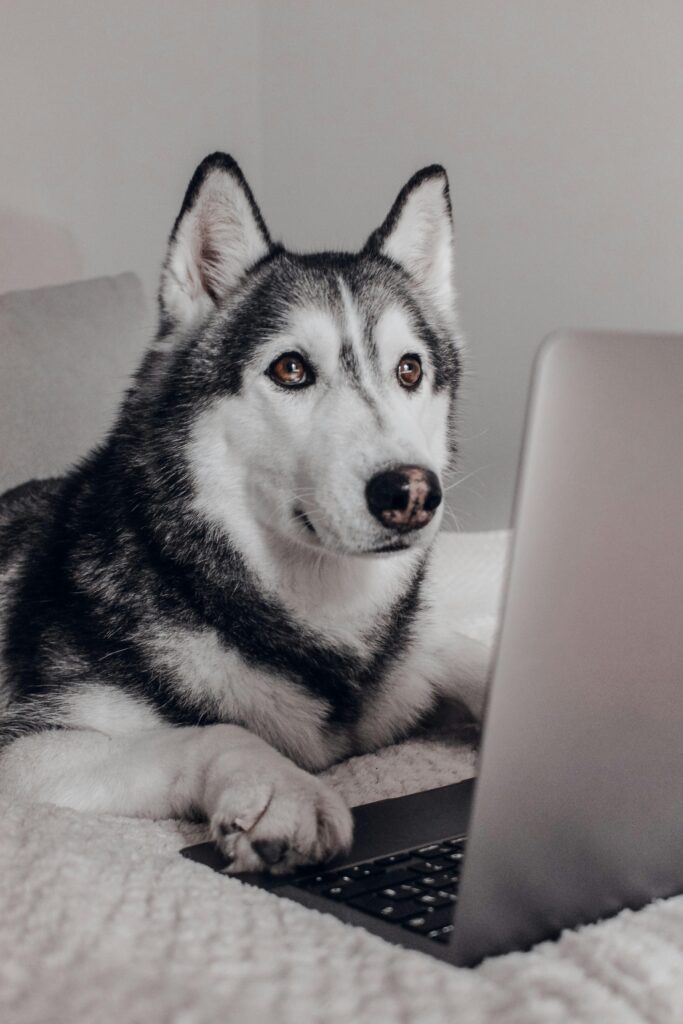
66	355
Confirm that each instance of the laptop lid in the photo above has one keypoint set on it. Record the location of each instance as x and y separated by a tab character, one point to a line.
578	809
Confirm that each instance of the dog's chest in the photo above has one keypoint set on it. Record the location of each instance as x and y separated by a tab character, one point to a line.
313	727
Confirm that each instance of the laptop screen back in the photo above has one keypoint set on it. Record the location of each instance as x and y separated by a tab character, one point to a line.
578	809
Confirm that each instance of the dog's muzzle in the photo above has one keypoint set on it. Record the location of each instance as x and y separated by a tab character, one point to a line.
404	498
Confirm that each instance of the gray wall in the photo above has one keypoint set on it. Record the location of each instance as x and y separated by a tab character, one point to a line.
106	108
561	125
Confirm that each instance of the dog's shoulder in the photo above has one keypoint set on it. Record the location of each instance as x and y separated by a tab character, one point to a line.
24	512
26	517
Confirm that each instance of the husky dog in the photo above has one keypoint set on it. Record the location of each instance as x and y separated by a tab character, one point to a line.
239	586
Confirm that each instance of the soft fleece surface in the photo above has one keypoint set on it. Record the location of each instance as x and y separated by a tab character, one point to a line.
102	921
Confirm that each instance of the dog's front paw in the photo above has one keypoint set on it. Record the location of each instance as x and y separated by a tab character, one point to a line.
278	822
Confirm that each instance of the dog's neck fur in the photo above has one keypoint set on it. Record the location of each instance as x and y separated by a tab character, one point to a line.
341	596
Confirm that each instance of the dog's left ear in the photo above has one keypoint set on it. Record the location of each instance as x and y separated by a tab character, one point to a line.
218	235
418	235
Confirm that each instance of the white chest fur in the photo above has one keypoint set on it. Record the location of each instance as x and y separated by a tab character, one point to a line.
265	702
282	712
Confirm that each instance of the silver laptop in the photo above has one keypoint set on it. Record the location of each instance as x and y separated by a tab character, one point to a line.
577	810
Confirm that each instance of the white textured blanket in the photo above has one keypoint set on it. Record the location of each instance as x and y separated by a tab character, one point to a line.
101	921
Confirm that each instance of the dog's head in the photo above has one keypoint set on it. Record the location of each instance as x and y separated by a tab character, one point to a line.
323	384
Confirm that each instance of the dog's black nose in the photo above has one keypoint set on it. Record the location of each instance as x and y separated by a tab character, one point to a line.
404	498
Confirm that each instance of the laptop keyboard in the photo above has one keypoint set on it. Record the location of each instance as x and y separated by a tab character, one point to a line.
416	888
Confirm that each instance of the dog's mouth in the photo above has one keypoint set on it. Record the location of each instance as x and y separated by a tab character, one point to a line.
386	549
400	544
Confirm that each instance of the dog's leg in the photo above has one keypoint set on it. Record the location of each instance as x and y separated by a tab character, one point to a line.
263	810
468	678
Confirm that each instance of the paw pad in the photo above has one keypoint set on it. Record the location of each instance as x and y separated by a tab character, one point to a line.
271	851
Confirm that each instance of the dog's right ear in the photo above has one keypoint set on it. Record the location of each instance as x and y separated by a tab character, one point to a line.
218	236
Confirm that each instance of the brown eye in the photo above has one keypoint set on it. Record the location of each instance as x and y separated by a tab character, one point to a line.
409	371
290	370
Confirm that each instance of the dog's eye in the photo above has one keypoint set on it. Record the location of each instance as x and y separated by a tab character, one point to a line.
409	371
290	371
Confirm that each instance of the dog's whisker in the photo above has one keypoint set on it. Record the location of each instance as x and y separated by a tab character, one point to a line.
468	476
111	654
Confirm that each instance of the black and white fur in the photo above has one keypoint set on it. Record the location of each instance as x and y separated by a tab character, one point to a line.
204	611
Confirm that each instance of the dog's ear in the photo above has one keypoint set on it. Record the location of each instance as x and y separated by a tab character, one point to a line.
218	236
418	235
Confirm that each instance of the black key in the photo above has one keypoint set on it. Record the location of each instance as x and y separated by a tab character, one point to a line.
385	909
419	923
398	876
441	917
449	893
427	851
416	866
436	865
438	881
394	858
431	921
318	887
348	878
455	856
432	899
362	871
410	889
456	843
347	890
311	881
401	892
333	892
441	934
